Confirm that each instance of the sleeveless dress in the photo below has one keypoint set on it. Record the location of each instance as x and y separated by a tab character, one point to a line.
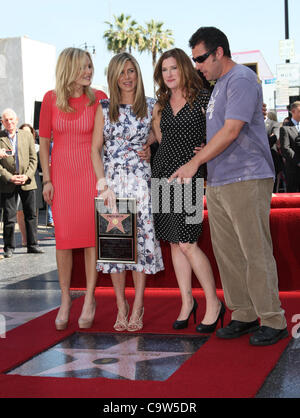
72	172
181	133
129	176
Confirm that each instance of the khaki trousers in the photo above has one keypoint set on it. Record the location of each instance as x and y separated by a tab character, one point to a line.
240	232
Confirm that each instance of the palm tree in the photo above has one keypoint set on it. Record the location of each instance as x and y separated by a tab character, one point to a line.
122	35
155	40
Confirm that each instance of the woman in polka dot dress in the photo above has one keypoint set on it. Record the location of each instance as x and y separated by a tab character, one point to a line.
179	125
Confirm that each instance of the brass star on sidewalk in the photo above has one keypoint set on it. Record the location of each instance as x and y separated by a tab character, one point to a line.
120	359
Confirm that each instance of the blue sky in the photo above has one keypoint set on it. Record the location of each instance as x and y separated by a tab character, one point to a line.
249	24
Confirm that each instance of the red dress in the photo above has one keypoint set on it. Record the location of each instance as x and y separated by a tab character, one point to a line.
72	172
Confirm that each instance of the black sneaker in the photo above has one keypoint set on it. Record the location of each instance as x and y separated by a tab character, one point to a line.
35	249
8	253
268	336
236	329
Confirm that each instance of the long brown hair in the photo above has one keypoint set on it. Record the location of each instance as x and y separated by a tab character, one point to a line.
114	71
190	81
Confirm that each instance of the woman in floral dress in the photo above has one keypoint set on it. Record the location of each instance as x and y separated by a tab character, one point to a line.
122	127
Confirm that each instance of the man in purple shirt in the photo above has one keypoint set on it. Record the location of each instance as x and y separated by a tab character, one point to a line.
240	182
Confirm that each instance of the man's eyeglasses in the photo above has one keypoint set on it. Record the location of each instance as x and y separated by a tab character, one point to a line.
203	57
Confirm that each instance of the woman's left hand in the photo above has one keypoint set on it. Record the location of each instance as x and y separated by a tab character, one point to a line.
109	198
197	149
145	154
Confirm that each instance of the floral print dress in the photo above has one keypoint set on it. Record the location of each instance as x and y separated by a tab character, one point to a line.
130	176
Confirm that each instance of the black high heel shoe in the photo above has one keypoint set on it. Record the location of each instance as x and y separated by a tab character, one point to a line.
209	329
184	324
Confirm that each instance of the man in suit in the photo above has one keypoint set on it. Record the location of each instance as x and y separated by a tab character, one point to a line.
290	143
17	170
2	155
273	129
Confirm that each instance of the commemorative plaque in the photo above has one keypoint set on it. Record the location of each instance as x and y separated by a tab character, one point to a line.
116	237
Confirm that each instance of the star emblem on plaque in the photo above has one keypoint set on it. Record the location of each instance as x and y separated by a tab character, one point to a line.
115	221
116	232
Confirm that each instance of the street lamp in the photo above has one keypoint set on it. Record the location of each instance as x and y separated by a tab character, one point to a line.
286	18
86	47
286	13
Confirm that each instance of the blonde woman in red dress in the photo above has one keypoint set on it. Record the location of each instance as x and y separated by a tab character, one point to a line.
67	114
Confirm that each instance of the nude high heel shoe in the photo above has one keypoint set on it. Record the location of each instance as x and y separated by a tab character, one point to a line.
61	324
85	323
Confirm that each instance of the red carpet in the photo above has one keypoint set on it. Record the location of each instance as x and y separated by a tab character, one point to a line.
218	369
285	231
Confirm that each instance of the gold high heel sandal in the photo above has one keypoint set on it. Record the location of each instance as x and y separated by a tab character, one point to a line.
136	324
122	321
61	324
85	323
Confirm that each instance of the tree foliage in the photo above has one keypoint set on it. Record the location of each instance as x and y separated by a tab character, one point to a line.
124	34
155	39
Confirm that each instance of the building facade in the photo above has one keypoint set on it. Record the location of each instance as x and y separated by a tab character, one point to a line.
27	71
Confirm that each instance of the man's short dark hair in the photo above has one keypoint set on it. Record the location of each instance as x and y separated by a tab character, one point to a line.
212	38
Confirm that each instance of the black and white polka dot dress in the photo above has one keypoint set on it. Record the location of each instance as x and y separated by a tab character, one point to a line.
172	205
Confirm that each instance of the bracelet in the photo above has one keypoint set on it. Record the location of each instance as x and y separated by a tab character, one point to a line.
46	182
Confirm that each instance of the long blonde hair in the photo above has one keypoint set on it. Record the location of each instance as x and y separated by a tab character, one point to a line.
114	71
68	68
